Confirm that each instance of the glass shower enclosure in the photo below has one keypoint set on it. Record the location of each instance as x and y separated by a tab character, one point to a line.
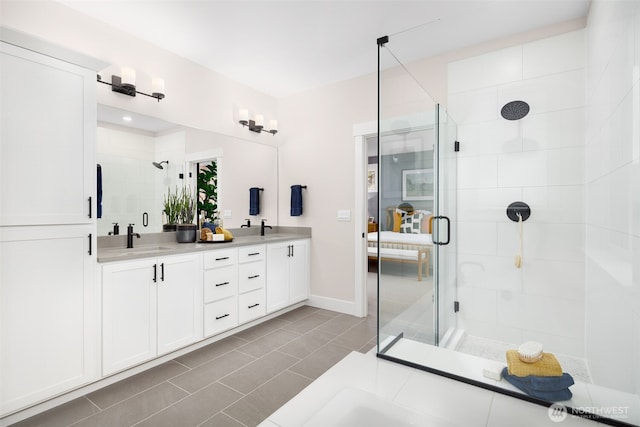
417	214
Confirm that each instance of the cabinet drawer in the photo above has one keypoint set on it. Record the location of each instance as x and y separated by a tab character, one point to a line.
220	258
220	283
251	276
251	253
251	305
220	316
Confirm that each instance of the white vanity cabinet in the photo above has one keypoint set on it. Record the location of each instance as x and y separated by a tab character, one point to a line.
47	129
288	276
150	307
251	282
220	283
49	317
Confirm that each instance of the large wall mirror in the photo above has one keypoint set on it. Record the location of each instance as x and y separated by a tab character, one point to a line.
141	157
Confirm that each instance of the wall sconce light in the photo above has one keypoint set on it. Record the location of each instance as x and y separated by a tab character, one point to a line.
257	125
127	84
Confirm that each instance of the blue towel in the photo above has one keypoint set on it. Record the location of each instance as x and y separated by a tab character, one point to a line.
254	201
296	200
210	225
99	190
553	389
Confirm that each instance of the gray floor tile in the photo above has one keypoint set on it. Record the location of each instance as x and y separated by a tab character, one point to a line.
221	420
131	386
306	344
212	371
210	352
262	402
261	329
266	344
298	313
136	408
357	336
310	322
319	361
62	415
340	323
257	373
195	409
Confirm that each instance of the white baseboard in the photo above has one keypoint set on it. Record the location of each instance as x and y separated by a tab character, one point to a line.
341	306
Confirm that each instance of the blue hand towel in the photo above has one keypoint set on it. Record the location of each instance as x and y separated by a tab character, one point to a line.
296	200
254	201
553	389
211	226
99	190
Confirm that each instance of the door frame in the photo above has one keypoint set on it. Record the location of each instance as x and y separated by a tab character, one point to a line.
360	133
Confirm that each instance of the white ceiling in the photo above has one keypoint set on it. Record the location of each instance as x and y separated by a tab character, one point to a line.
284	47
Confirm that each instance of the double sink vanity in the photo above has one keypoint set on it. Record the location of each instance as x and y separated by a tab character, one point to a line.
79	309
161	296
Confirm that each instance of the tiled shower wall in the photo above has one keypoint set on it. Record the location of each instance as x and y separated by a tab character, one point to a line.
539	160
613	194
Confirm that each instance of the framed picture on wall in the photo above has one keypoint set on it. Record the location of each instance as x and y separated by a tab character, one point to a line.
372	178
417	184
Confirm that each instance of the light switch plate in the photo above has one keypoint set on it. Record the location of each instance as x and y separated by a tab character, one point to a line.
226	214
344	215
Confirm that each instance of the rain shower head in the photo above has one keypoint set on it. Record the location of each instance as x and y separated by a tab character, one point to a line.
159	165
515	110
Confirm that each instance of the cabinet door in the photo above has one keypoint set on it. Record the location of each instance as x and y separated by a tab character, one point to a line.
299	271
47	129
179	302
48	314
128	314
277	276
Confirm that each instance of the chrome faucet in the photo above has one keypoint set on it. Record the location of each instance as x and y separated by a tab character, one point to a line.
247	225
130	235
262	226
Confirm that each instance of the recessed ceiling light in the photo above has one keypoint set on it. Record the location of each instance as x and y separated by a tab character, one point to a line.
127	118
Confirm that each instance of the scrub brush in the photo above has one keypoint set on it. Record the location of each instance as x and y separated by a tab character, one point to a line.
518	261
530	352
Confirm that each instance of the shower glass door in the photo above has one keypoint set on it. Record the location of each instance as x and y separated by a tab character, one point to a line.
444	228
415	247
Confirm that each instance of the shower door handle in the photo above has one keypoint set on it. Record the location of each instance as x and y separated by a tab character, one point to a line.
446	218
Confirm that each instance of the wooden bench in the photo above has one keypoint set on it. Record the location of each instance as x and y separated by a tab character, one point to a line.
419	256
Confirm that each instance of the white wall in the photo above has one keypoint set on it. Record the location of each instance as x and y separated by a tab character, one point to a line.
613	195
539	160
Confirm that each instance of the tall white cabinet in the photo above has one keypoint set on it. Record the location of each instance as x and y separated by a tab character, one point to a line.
48	302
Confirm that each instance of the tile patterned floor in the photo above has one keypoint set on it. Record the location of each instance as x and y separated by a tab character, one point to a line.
238	381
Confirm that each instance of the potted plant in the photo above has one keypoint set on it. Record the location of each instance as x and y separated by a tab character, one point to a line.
208	191
186	229
171	210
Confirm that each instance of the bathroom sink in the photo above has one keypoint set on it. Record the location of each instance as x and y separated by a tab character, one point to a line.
139	250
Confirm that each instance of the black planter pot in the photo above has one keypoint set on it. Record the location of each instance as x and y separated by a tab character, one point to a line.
186	233
169	227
